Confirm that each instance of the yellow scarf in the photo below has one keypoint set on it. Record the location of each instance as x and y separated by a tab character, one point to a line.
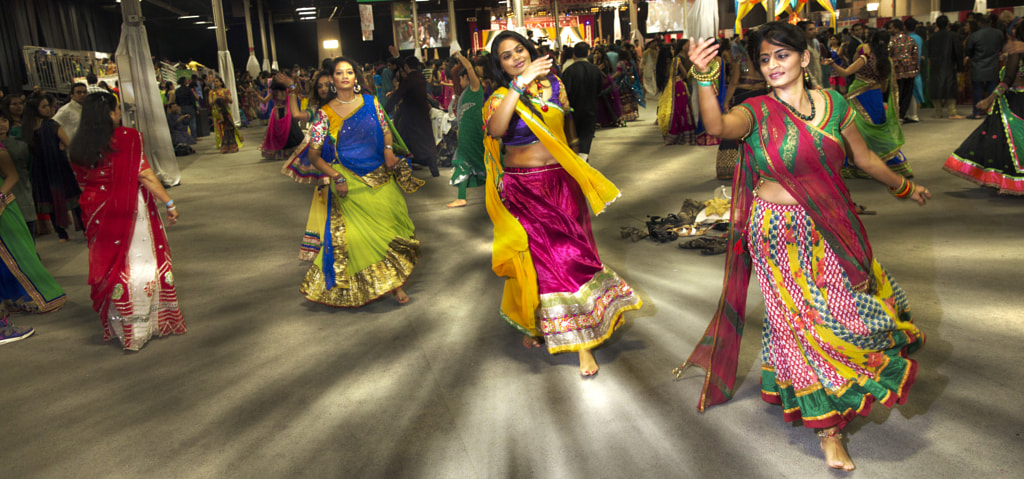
511	251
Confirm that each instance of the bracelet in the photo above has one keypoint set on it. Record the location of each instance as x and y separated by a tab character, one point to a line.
708	76
172	208
905	189
512	85
339	179
169	204
388	147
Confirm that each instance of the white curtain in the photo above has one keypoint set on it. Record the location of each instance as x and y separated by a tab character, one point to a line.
140	95
702	19
227	73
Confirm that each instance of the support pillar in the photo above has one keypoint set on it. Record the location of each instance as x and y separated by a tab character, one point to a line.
224	64
634	29
520	21
263	37
273	46
451	21
252	65
416	31
558	26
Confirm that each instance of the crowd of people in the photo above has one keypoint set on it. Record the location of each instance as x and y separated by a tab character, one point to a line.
794	112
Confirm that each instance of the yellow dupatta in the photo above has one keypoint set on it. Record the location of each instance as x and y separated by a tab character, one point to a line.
510	256
667	100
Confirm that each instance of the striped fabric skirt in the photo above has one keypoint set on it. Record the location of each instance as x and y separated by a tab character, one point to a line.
829	350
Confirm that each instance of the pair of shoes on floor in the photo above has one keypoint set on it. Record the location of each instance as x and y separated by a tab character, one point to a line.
635	234
708	245
10	334
690	209
660	229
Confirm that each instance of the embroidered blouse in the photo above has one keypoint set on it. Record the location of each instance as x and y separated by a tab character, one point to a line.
518	133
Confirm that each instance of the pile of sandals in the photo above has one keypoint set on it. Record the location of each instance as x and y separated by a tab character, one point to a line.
695	220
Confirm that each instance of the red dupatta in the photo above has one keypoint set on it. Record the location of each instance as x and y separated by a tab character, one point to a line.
807	162
110	208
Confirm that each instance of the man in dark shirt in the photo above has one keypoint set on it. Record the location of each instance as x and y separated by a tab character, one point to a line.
982	50
186	99
583	81
946	55
412	120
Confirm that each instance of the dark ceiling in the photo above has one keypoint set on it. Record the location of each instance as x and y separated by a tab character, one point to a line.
283	11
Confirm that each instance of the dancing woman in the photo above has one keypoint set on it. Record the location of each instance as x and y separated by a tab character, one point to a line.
129	258
877	120
537	196
837	327
631	90
283	133
675	119
227	136
469	170
609	111
369	246
993	155
54	187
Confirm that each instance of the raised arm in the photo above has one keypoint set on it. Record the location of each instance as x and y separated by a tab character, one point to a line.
727	126
474	81
293	101
498	122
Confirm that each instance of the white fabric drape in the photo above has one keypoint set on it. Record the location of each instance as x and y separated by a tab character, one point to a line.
140	96
702	19
227	73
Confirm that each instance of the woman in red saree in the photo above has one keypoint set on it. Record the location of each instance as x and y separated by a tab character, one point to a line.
837	327
129	258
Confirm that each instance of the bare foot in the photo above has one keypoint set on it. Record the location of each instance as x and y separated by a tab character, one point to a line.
588	365
401	297
457	204
835	453
531	342
957	117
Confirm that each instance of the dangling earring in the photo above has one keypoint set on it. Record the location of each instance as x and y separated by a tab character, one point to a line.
333	89
358	88
807	76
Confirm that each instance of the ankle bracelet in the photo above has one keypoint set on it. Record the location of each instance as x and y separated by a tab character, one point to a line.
825	434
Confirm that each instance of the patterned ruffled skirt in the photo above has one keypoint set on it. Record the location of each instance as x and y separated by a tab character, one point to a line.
829	350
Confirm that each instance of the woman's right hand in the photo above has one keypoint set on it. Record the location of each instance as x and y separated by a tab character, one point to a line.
701	52
172	215
538	68
341	188
283	79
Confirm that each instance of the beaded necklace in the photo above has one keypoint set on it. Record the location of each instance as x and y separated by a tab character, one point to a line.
794	110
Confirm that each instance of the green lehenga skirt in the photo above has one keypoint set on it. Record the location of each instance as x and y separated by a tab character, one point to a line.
25	285
879	124
368	245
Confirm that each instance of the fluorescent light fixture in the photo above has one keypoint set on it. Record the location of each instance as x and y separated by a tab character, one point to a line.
308	18
330	44
201	22
186	17
872	7
302	9
212	27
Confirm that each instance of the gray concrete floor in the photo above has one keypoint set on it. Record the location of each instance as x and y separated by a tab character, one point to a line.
266	384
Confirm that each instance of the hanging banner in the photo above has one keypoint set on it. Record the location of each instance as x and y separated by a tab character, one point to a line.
366	21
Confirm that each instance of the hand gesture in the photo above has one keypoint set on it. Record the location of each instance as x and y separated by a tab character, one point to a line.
984	105
538	68
341	189
172	215
921	195
827	61
283	79
702	52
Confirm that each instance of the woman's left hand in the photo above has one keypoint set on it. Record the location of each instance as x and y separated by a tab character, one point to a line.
921	194
390	160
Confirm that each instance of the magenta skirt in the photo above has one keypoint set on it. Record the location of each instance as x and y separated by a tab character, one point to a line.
581	300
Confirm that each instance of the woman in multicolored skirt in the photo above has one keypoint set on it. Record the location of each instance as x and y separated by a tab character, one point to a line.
837	327
993	155
557	288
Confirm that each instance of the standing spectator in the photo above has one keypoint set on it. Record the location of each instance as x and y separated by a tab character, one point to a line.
903	52
185	98
945	55
583	83
982	50
918	90
814	68
70	114
91	84
413	118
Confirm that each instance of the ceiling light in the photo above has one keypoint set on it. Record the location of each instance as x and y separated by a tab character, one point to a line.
201	22
211	28
872	7
301	9
186	17
330	44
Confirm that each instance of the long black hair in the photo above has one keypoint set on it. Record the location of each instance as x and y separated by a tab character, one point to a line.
31	114
496	68
314	93
93	137
780	34
356	69
880	52
501	75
